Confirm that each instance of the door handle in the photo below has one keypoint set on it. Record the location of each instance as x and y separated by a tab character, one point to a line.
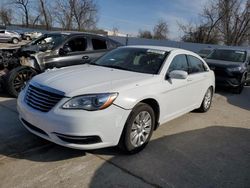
189	79
85	57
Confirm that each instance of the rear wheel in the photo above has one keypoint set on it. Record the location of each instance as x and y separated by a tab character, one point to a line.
15	40
138	129
17	79
207	101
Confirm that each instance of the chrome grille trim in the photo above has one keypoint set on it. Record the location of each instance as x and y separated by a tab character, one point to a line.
41	99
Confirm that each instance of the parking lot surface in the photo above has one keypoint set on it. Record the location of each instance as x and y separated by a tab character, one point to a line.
10	45
195	150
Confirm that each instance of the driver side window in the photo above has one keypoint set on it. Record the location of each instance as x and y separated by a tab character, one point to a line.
179	63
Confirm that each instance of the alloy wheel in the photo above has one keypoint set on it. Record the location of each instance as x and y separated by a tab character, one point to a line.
21	79
141	129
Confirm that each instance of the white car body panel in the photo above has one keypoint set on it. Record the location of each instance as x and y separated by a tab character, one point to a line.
174	96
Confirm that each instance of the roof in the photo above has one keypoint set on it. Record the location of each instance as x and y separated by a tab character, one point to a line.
74	33
234	48
163	48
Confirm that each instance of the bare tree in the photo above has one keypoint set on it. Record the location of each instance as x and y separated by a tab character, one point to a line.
79	13
222	20
85	13
161	30
198	34
45	13
63	14
235	24
23	5
6	16
145	34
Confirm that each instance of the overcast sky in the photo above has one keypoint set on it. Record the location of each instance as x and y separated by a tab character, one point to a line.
131	15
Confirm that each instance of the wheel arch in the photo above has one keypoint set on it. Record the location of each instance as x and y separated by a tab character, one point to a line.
156	108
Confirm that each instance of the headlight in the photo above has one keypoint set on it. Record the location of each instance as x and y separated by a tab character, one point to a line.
91	102
235	69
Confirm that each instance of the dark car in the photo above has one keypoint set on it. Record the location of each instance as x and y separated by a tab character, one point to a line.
53	50
231	67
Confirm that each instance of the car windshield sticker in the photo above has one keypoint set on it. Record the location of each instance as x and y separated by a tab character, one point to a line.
156	51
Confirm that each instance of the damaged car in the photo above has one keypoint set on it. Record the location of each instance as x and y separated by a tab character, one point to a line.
52	50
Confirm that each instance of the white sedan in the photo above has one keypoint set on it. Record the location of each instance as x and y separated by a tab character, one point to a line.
119	99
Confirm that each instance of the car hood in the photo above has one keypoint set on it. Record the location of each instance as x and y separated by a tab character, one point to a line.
86	79
224	64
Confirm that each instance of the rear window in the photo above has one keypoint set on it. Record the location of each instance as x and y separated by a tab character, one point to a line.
228	55
99	44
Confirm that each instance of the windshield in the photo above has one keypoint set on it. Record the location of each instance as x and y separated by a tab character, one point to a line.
228	55
50	41
134	59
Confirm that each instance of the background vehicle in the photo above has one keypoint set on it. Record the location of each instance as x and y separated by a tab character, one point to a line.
31	35
205	52
231	67
10	36
52	50
119	99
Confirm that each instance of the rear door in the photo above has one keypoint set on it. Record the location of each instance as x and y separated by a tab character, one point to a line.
98	46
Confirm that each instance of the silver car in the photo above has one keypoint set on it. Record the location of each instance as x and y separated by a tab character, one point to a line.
10	36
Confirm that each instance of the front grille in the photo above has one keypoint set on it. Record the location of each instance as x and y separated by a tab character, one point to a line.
40	99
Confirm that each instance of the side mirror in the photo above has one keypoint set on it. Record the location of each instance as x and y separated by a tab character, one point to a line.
178	74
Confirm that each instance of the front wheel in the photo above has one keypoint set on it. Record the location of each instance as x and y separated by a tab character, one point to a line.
207	101
138	129
17	78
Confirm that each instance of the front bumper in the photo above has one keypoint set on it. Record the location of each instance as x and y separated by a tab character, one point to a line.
223	77
77	129
227	81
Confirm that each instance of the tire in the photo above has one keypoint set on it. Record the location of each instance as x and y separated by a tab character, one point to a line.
239	89
140	125
17	78
15	40
207	101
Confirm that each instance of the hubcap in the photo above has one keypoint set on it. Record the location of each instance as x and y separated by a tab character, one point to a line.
141	129
21	78
207	100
